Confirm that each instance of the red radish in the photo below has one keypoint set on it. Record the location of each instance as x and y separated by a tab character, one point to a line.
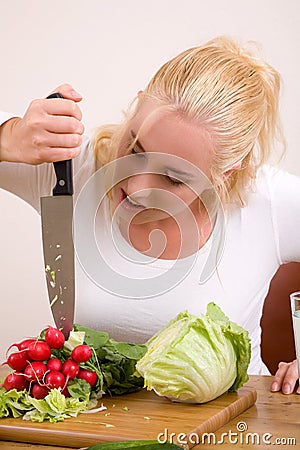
39	351
55	379
39	391
23	345
81	353
88	375
35	371
17	360
54	337
70	369
54	364
65	391
15	381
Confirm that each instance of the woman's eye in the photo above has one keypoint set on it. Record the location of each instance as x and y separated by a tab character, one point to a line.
133	151
174	181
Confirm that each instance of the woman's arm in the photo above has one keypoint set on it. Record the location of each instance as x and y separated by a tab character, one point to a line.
51	130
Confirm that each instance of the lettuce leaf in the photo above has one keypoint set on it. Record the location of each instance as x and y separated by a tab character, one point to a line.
55	407
196	359
13	403
114	362
240	341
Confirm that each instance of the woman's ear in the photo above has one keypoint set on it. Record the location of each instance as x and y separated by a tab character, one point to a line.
237	166
139	94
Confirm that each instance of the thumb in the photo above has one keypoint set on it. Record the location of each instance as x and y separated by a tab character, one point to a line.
68	92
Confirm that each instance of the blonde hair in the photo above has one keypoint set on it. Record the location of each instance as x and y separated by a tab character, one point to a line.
233	94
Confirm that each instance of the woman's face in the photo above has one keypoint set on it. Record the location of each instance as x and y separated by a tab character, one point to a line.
170	161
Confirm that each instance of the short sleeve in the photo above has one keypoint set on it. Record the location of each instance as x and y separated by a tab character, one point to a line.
285	199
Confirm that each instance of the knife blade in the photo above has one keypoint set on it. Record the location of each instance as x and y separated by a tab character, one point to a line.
58	246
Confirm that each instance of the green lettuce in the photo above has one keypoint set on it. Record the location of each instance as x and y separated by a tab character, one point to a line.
115	361
54	407
13	403
196	359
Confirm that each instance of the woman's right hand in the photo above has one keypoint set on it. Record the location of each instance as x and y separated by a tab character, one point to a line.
51	130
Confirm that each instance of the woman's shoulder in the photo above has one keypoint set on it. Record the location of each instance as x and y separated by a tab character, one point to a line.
274	189
275	178
271	186
281	197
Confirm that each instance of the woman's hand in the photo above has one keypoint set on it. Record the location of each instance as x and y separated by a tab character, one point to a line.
51	130
286	377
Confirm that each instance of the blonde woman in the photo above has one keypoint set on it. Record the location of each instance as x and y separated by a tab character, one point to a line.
190	213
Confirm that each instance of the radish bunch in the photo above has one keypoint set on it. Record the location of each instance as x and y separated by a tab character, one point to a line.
42	364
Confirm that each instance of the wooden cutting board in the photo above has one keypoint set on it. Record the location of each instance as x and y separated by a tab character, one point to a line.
141	415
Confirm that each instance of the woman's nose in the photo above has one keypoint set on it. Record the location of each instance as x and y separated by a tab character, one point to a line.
140	186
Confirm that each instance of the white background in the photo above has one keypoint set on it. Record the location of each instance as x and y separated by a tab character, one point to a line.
108	50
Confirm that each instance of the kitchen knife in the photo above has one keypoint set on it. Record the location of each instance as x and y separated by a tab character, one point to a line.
57	234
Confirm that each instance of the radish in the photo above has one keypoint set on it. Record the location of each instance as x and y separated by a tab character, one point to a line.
35	371
88	375
39	351
39	391
17	360
65	391
23	345
54	337
55	379
81	353
15	381
54	364
70	369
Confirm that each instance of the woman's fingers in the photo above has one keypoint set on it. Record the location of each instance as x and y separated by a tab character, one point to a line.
68	92
52	122
286	377
58	154
54	107
59	107
51	130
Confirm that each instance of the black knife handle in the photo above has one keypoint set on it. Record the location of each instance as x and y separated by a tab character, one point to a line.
64	183
63	170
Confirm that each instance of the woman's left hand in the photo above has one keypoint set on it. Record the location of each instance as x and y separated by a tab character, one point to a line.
286	377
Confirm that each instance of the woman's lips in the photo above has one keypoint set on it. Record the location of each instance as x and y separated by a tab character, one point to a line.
129	204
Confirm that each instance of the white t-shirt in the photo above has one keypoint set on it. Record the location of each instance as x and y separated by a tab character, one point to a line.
258	238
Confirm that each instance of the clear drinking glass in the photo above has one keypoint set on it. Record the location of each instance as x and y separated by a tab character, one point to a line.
295	305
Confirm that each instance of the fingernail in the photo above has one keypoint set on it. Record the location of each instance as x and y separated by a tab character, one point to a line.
287	388
75	93
275	387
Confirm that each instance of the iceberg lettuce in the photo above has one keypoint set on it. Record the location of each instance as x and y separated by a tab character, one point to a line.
196	359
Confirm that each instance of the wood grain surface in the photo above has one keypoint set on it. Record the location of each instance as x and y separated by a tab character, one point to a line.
274	415
141	415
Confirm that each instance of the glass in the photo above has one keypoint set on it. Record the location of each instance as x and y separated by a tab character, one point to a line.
295	306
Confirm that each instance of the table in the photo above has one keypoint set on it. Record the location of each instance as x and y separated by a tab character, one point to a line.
274	420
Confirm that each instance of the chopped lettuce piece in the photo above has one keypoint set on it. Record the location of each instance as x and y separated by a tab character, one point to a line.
54	407
13	403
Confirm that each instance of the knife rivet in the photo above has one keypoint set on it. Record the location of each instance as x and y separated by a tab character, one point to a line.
61	182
